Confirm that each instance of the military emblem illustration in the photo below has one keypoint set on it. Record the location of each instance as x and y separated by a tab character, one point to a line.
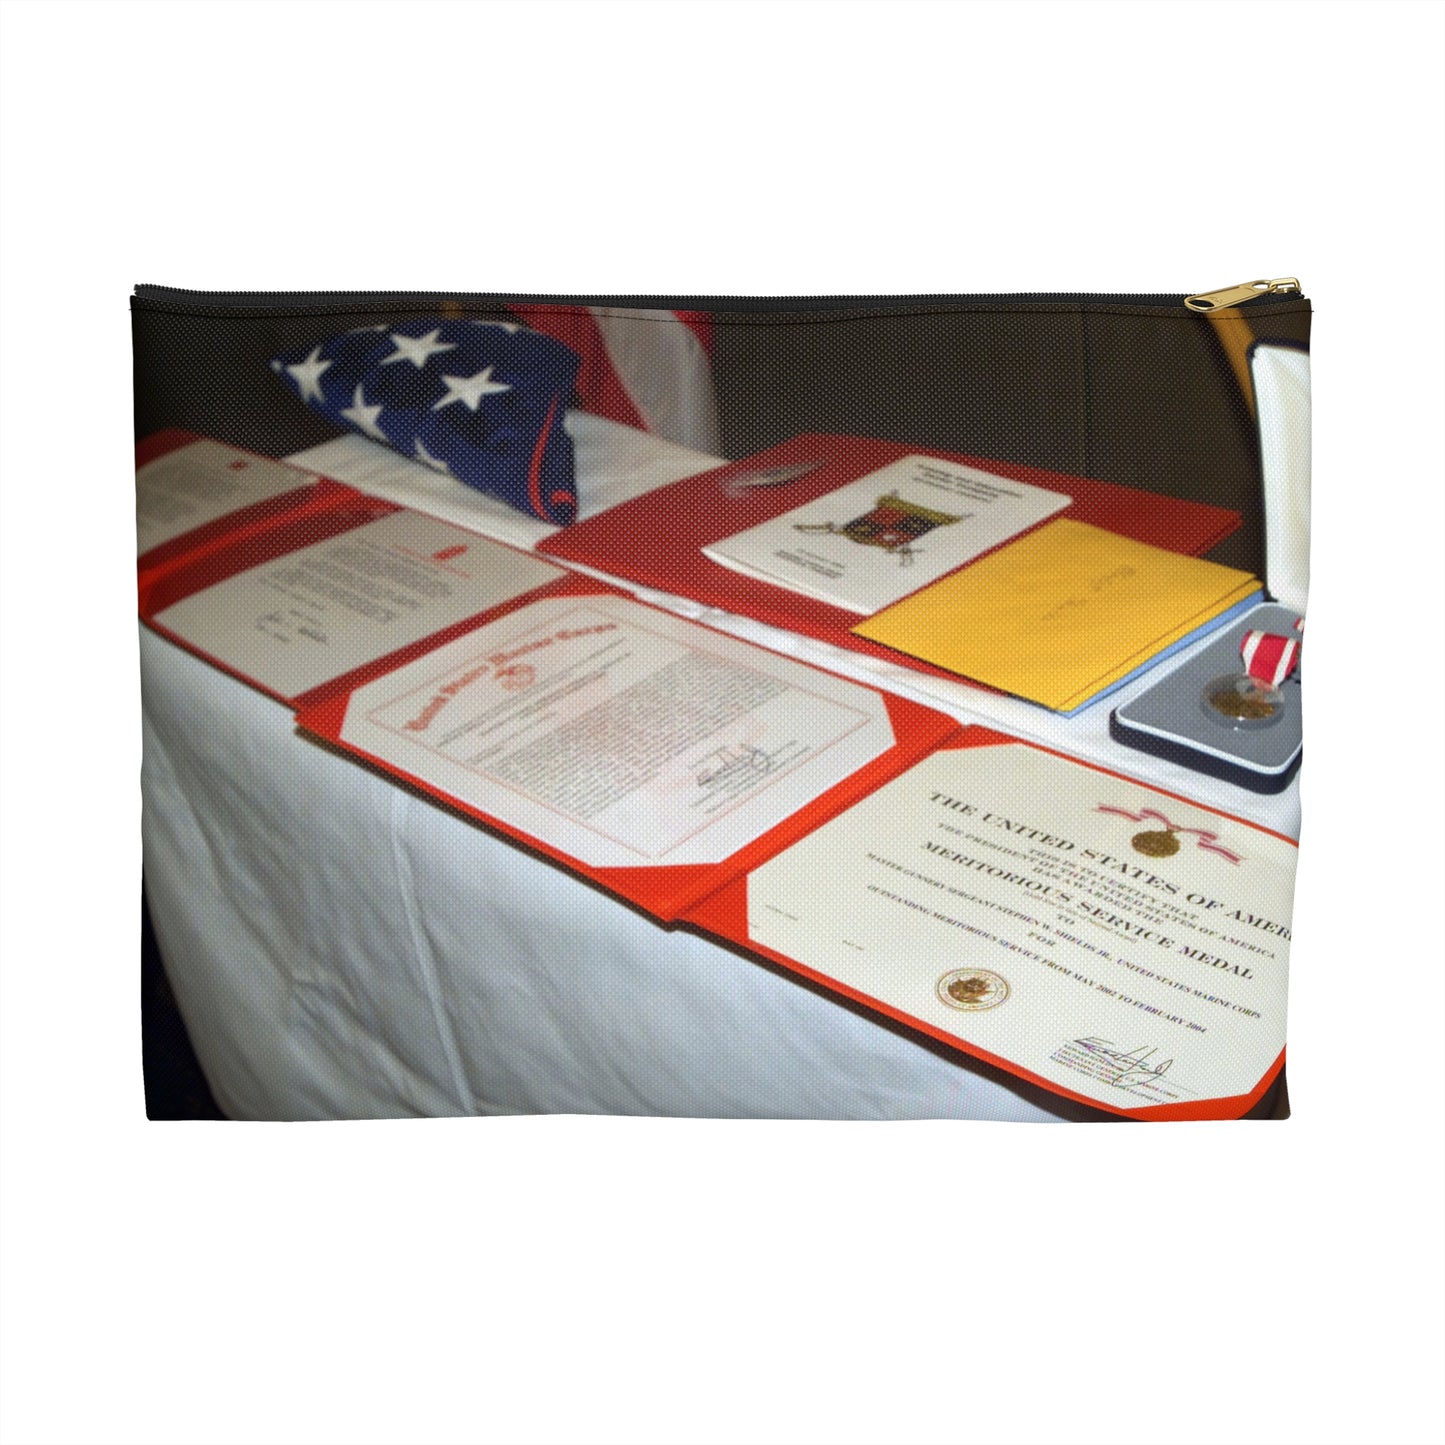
1164	842
973	989
894	525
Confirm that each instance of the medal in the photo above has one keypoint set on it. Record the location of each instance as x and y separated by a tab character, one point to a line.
1243	698
1252	698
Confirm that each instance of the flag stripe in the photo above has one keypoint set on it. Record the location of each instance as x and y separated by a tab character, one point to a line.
599	387
665	369
534	472
646	369
700	324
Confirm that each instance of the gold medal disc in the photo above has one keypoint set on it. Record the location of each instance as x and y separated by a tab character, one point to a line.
1245	705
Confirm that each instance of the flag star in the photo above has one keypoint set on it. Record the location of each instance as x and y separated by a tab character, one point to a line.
510	327
363	417
471	389
307	376
357	330
417	349
435	463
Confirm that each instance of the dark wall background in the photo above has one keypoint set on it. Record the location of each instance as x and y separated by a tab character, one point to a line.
1149	401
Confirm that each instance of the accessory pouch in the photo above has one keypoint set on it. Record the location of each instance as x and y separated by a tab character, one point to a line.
721	707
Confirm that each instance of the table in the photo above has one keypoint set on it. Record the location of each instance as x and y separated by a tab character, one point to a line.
343	948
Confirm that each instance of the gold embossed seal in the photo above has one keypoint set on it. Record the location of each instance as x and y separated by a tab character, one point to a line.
973	989
1155	844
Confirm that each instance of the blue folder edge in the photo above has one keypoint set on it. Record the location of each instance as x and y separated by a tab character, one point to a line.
1213	625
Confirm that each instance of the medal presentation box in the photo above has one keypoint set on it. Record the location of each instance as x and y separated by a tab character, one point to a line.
1210	715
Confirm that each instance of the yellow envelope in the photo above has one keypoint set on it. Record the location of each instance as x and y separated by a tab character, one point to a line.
1059	614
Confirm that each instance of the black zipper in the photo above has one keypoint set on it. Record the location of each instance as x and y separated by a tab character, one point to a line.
409	300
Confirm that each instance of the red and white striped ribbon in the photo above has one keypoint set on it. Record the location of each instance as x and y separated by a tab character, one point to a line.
1269	657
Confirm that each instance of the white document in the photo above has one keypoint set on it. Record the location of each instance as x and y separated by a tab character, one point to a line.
1096	933
199	482
316	613
618	734
614	464
875	540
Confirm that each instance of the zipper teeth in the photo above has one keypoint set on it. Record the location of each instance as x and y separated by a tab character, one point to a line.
535	296
666	302
342	300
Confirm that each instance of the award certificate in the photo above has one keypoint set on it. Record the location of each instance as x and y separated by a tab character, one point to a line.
202	482
312	615
617	735
1079	929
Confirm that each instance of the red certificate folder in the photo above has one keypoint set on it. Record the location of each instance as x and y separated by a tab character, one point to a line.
1185	992
309	492
1131	1006
327	513
657	540
221	601
385	720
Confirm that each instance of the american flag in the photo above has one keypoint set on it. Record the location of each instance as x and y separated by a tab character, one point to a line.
479	401
648	369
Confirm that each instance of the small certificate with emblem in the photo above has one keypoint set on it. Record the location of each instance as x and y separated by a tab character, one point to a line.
1088	933
866	544
312	614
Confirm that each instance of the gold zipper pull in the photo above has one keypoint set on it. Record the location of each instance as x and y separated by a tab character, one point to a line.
1233	295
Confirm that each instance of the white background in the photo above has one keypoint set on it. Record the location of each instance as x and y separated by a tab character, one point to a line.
608	1280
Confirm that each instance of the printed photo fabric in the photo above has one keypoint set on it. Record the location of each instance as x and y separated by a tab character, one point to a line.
842	707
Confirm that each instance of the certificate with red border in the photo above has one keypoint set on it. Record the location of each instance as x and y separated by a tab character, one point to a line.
1113	943
345	588
649	753
194	494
